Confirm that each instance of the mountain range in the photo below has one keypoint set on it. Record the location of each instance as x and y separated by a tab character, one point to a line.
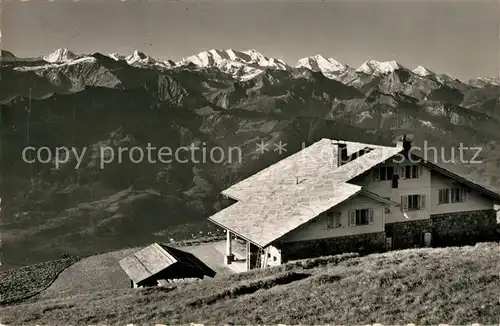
246	64
223	98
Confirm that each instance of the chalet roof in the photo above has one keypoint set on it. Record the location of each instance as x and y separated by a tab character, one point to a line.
155	258
309	163
295	190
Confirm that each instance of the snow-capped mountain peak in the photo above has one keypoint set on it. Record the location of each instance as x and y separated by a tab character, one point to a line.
60	56
320	63
258	58
215	57
138	57
242	65
423	72
379	67
116	56
141	59
330	67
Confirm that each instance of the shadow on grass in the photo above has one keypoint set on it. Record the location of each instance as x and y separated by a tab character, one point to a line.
249	288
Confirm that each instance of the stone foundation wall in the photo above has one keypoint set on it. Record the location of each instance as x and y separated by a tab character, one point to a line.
464	228
450	229
408	234
362	243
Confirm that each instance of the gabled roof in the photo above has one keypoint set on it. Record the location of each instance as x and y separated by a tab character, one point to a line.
156	258
147	262
295	190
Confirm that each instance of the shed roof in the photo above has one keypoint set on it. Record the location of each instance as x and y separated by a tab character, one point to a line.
155	258
147	262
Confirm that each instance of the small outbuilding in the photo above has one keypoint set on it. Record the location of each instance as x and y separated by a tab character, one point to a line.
159	263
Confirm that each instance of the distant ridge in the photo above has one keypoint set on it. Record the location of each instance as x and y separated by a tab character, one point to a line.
246	64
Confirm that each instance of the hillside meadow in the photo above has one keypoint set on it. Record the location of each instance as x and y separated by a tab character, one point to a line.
457	285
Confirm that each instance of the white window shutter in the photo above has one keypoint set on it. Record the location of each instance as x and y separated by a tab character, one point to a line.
442	197
370	216
404	202
454	194
422	201
376	174
465	194
338	221
420	170
352	218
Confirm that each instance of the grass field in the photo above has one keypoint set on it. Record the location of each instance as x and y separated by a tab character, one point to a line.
422	286
20	283
90	274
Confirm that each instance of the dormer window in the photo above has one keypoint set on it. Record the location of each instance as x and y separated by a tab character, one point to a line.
412	171
383	173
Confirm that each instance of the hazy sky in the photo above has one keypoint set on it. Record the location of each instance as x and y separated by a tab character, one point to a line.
456	37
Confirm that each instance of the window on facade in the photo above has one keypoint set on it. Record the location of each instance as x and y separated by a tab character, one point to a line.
411	171
334	220
274	258
386	172
456	195
452	195
444	196
413	202
383	173
361	217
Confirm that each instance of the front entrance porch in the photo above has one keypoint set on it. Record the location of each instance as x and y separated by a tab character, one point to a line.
239	255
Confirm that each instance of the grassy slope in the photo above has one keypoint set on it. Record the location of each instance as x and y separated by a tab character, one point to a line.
20	283
424	286
90	274
103	272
